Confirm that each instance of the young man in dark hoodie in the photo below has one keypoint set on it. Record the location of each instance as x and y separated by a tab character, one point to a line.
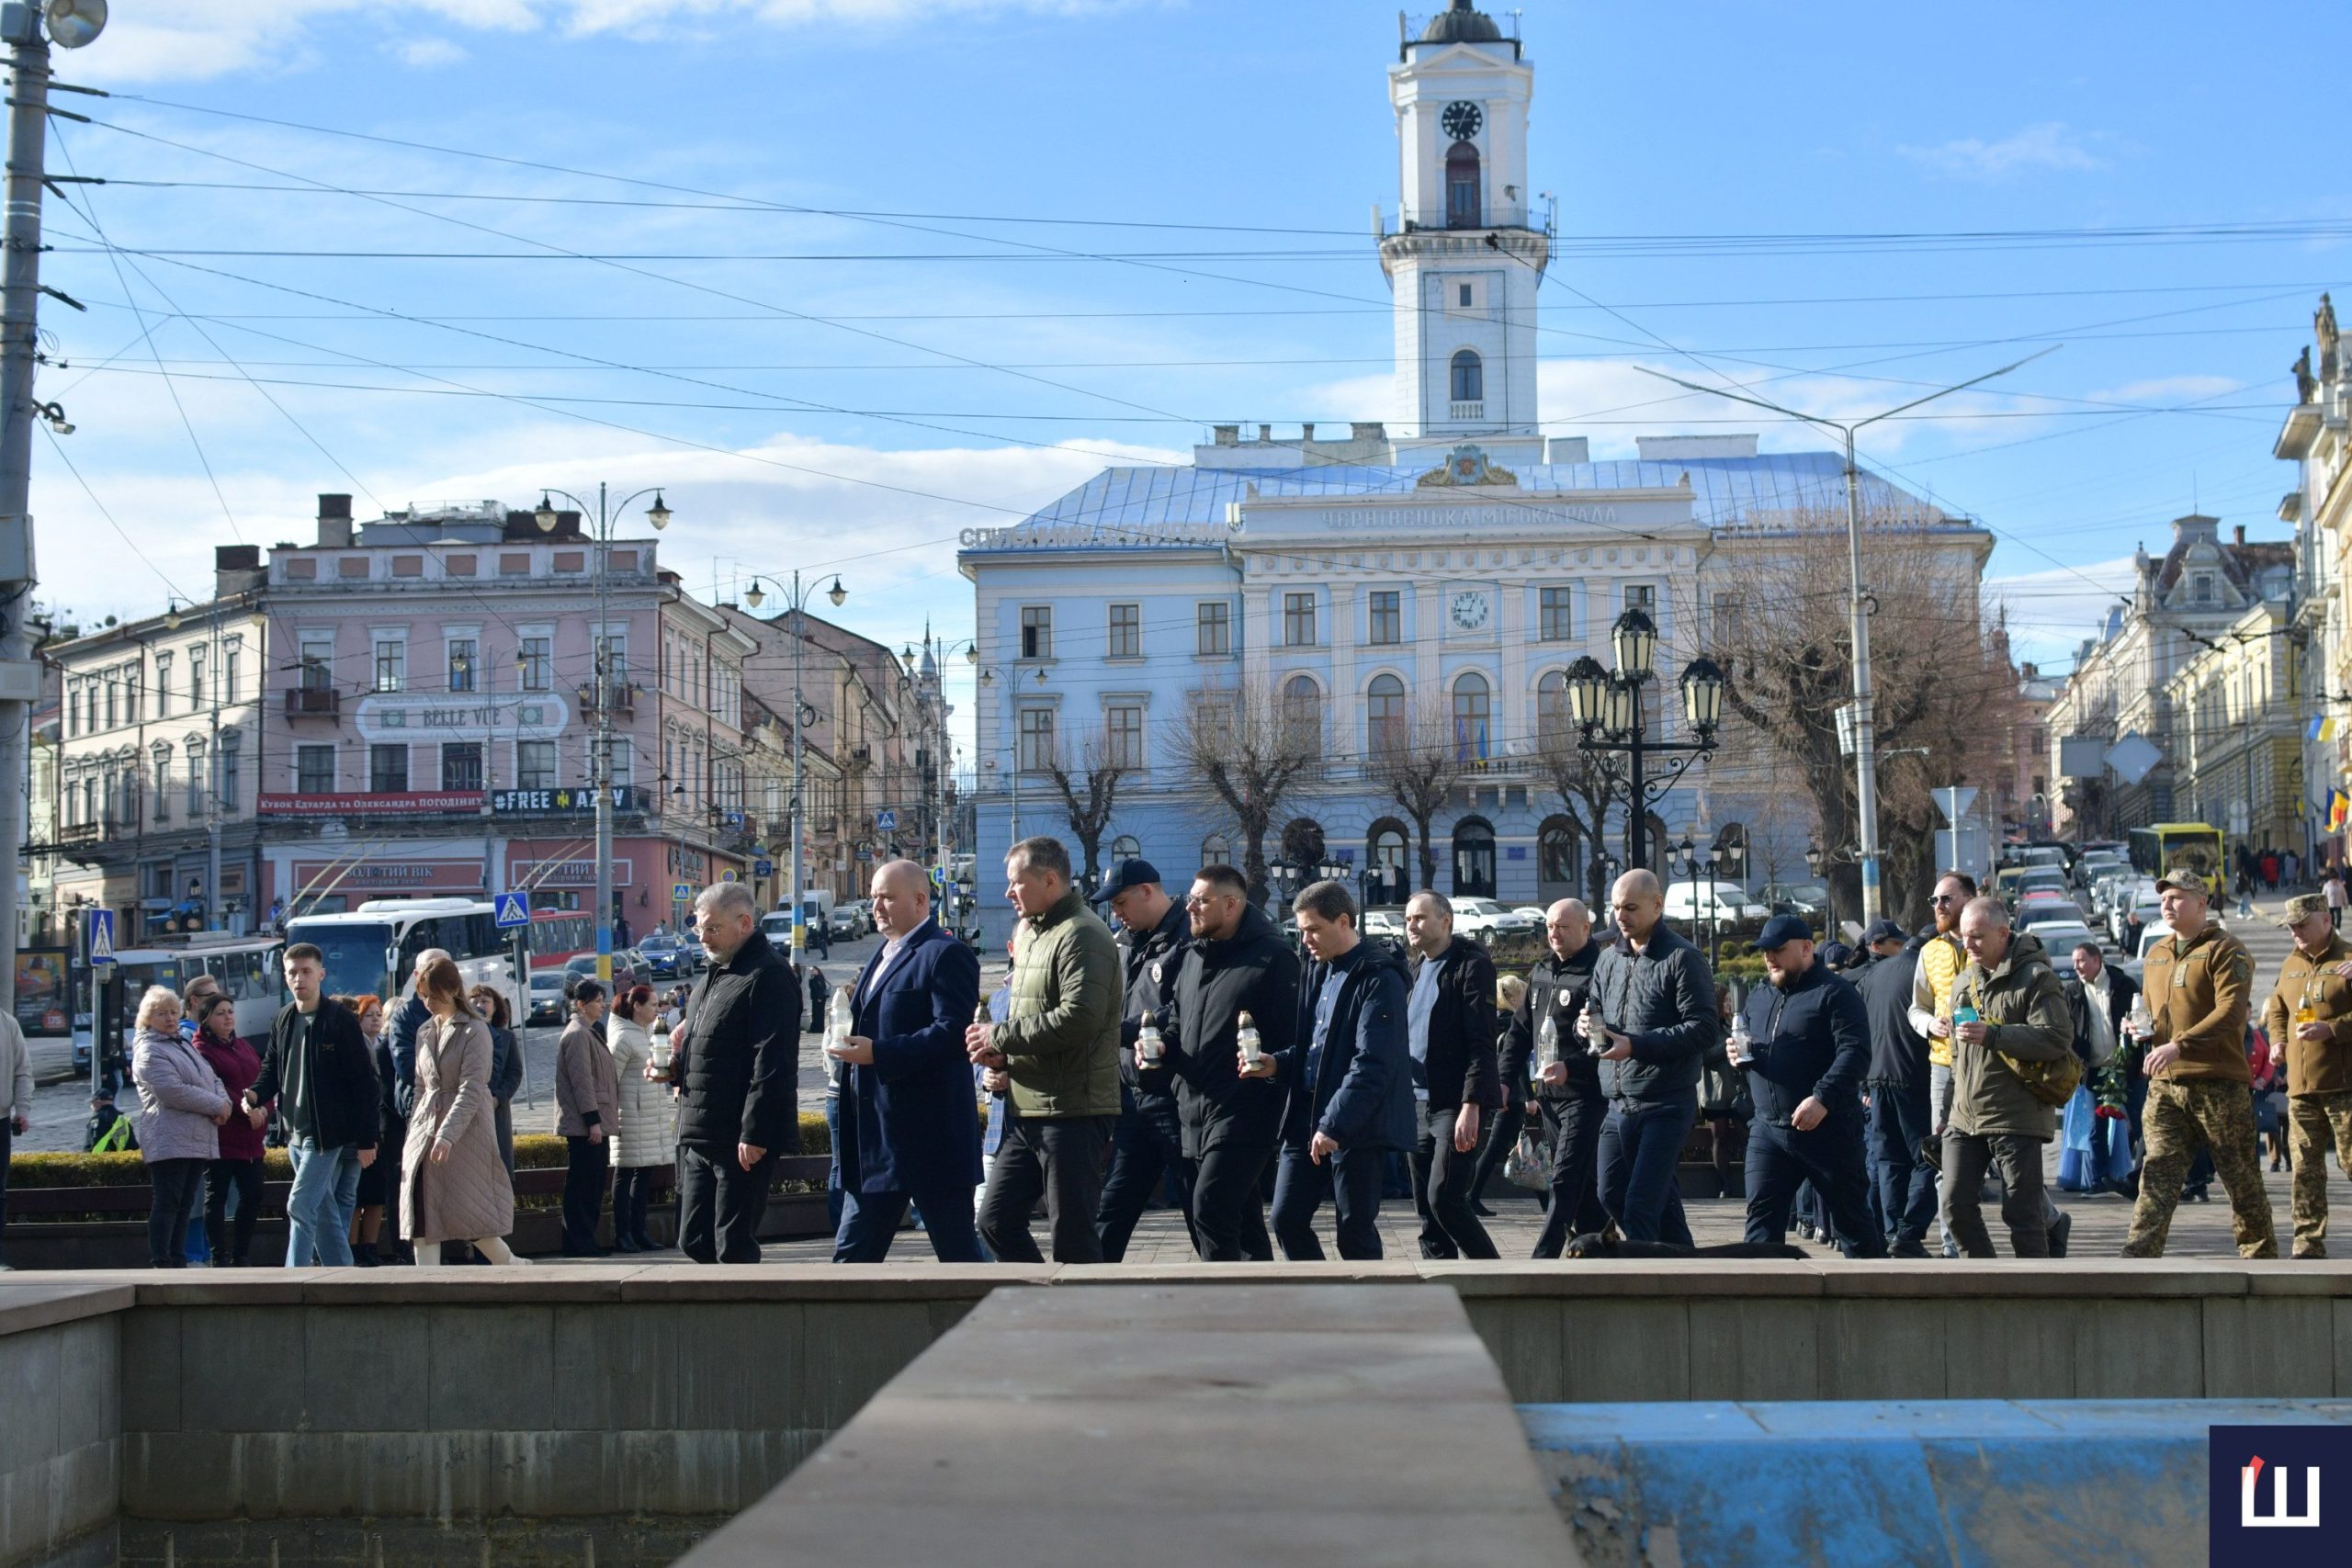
1450	1016
1901	1121
1236	963
1148	1145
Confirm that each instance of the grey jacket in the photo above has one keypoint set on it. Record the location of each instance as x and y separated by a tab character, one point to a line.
16	1070
1664	1000
180	1094
2023	1001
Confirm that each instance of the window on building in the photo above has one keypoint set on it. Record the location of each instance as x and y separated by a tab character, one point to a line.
1383	708
114	695
1473	715
317	659
162	685
463	656
196	781
1462	187
1469	376
457	566
314	769
195	679
1036	631
388	770
624	769
1126	631
1387	624
163	755
232	750
535	666
408	565
1216	626
461	765
391	664
1554	720
1122	735
1462	295
1036	738
1552	616
1726	619
535	764
1299	620
1216	850
1642	596
1127	846
1302	716
2203	584
613	649
514	565
231	675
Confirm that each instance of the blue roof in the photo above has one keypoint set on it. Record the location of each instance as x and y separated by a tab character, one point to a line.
1132	506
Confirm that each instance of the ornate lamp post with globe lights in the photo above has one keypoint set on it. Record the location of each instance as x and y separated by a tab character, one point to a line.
1609	712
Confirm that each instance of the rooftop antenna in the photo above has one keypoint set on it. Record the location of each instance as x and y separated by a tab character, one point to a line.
1514	24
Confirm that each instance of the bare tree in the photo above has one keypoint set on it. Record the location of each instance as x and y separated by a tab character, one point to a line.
1251	752
1941	680
1089	788
1590	784
1420	762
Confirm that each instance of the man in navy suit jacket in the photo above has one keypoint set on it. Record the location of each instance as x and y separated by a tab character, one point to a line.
909	1130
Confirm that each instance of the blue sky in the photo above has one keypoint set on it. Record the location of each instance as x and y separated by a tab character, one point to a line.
871	383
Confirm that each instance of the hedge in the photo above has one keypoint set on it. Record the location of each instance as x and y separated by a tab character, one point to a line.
533	1151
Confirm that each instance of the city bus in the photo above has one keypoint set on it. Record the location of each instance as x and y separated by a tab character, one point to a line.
2163	846
248	968
373	948
559	936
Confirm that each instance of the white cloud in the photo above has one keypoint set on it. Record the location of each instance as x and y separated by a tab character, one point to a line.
2169	390
2049	145
427	52
2051	610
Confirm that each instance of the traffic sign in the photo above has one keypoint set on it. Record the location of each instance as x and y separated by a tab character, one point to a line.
682	893
97	937
763	868
513	909
934	874
886	820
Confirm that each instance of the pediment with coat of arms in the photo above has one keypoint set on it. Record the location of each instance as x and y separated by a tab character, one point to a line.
1466	465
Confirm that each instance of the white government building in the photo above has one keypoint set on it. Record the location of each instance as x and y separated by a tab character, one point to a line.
1455	565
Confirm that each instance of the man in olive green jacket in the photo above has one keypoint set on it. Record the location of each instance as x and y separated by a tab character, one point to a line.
1059	1046
2006	1006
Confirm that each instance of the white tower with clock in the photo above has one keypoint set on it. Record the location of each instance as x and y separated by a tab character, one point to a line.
1466	258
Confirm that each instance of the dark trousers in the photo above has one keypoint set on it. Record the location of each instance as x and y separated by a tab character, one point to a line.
174	1189
869	1221
1228	1214
232	1241
1441	1185
1900	1123
833	1176
1967	1157
1147	1147
1351	1179
1781	1159
721	1204
632	1196
583	1191
502	1119
1498	1134
1641	1145
1060	1160
1573	1129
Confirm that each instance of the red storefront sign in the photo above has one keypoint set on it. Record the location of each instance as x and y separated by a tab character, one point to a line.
390	876
579	872
420	805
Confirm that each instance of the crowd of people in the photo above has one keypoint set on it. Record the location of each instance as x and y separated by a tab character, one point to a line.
1875	1099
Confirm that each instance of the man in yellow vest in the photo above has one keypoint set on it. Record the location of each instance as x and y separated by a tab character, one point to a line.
1940	963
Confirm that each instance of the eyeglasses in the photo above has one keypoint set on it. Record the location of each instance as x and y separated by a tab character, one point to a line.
1203	900
1948	898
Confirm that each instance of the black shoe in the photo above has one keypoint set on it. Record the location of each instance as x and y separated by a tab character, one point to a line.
1481	1210
2058	1232
624	1243
1908	1249
366	1258
647	1244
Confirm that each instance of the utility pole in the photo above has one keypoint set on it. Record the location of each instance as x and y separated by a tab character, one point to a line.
797	619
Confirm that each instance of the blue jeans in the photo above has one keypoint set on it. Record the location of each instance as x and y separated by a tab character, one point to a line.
318	1208
869	1220
1641	1145
833	1176
1900	1123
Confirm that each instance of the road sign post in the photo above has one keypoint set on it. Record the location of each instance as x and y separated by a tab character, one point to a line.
514	910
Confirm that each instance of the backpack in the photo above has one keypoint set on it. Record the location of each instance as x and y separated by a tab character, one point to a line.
2052	1083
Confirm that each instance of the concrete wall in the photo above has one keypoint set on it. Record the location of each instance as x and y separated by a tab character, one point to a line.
60	1434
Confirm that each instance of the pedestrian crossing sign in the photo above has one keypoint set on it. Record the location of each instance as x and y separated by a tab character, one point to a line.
512	910
97	937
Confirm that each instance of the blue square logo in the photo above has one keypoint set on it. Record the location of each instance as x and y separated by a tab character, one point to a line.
2281	1496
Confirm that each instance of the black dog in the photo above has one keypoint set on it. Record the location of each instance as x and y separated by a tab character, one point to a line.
1598	1246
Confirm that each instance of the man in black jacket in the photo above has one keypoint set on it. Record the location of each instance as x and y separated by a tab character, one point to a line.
1900	1120
319	1069
1809	1046
742	1080
1236	963
1656	1001
1449	1014
1566	1091
1148	1145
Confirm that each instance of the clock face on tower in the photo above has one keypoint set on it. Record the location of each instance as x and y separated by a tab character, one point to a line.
1462	119
1469	609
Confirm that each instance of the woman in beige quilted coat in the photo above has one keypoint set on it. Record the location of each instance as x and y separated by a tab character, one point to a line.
453	1185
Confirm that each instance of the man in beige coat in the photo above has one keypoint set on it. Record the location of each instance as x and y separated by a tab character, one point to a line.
588	1106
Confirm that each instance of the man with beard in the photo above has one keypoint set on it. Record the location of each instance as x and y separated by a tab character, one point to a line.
1939	964
1236	963
1561	1084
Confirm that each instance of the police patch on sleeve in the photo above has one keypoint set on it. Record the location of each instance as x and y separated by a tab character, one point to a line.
1156	965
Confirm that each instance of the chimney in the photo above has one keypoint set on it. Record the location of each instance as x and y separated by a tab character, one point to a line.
1227	434
2240	533
1371	430
236	570
1307	431
1265	432
2029	672
334	521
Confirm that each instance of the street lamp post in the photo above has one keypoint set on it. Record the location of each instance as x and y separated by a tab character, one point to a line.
798	607
1698	864
1608	710
600	776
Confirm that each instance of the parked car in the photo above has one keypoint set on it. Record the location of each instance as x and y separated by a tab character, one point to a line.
1483	918
1687	901
2140	903
2096	864
1806	899
859	913
628	968
2041	879
667	958
1386	923
2059	938
2035	912
546	1001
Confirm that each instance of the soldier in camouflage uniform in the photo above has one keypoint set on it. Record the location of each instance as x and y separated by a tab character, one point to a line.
2199	983
2319	1059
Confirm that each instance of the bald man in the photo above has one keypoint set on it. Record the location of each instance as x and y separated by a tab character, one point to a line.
1564	1090
1656	996
909	1134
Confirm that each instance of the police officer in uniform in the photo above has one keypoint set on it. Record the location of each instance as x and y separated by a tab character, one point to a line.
1566	1093
2200	987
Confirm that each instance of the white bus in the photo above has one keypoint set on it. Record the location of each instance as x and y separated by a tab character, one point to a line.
246	966
373	948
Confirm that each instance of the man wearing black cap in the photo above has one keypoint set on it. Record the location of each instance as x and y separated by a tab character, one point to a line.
1806	1050
1148	1142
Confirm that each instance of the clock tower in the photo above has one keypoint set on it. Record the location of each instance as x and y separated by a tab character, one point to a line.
1467	257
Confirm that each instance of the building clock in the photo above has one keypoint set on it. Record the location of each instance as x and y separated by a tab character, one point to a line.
1462	119
1469	609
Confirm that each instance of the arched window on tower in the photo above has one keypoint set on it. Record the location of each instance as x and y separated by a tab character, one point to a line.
1469	376
1472	713
1462	187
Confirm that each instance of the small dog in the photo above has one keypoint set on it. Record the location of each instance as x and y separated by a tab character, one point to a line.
1596	1245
